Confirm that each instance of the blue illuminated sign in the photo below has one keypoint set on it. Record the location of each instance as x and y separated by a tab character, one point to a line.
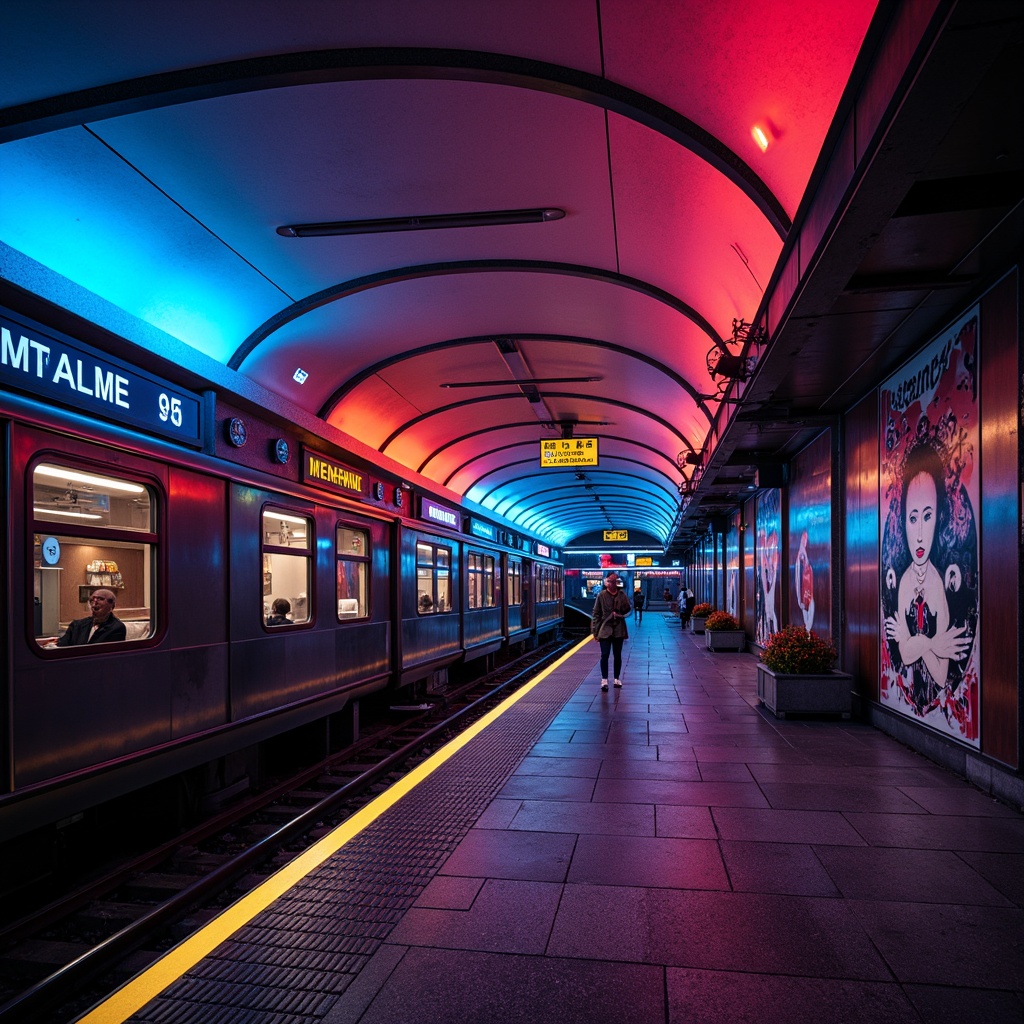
69	373
481	529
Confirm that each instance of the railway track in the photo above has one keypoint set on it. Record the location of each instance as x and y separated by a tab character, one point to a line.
60	959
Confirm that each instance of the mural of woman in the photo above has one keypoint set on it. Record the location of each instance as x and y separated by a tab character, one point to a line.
928	643
769	580
768	521
804	580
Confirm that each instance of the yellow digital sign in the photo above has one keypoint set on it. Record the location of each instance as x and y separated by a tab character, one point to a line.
616	535
569	451
647	560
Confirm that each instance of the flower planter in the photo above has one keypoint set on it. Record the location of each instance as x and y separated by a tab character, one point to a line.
697	623
725	639
784	694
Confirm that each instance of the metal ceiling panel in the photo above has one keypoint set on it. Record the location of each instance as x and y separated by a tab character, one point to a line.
150	152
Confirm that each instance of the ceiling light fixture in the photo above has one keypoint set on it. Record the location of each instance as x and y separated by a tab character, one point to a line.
520	383
102	482
486	218
759	137
63	513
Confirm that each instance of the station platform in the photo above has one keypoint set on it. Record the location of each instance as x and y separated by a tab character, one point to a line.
664	853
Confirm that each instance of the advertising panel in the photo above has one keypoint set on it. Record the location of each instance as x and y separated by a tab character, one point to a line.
929	493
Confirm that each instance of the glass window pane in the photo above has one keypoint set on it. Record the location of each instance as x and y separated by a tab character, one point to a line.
352	601
283	530
66	496
353	559
286	601
84	587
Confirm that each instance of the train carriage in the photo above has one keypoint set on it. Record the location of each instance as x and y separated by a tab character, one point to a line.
263	596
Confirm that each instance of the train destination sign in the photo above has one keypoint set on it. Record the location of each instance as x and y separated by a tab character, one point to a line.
569	451
479	528
56	369
440	514
333	476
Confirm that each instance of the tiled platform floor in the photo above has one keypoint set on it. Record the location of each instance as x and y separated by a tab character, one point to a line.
664	854
672	853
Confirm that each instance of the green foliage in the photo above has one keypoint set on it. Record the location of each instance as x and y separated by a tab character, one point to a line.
720	620
793	650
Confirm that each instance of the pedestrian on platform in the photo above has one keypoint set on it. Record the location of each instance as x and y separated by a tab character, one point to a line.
608	624
638	606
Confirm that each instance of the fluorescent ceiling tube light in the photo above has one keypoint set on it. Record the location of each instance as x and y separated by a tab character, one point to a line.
63	514
437	220
59	473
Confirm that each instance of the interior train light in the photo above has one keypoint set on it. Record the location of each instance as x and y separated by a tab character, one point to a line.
59	473
284	518
64	514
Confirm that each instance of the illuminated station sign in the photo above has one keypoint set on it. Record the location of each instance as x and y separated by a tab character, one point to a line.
58	370
440	514
568	451
332	476
479	528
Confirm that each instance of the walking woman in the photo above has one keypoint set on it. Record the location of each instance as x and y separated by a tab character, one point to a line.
608	624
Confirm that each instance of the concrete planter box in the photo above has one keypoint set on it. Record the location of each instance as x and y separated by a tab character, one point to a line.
697	623
783	694
725	639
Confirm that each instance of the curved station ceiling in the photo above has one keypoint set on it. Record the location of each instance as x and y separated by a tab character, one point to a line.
450	229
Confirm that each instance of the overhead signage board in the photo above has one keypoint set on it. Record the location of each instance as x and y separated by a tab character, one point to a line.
568	451
56	369
644	560
332	476
479	528
616	535
440	514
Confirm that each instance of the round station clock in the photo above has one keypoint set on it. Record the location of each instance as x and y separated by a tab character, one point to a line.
238	434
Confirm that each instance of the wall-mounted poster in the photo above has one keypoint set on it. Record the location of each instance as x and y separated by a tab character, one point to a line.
810	537
766	593
732	569
929	545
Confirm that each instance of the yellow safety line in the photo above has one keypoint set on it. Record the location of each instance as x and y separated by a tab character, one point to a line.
134	994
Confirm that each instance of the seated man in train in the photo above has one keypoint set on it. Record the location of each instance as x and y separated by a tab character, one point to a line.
101	627
280	613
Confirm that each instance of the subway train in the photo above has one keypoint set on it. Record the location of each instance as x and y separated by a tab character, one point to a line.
269	581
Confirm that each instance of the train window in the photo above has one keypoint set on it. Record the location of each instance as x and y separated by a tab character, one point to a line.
287	568
515	581
480	580
94	548
433	578
353	570
549	583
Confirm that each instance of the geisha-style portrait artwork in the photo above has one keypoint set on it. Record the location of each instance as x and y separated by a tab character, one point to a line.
929	544
766	596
